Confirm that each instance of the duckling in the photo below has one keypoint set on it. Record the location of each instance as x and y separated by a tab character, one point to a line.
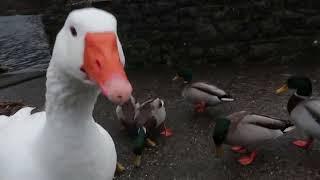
143	122
201	94
247	130
303	92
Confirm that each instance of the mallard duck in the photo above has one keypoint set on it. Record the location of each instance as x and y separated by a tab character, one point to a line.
303	92
201	94
246	130
306	117
143	122
303	87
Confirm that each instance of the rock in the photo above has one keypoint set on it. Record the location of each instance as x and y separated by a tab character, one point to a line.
262	51
251	32
314	21
206	31
291	18
3	69
188	12
230	29
239	60
223	53
213	30
196	52
270	27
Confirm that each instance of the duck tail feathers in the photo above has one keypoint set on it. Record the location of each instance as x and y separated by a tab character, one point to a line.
227	98
288	129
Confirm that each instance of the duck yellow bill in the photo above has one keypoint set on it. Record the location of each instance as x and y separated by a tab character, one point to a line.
284	88
137	160
219	151
176	78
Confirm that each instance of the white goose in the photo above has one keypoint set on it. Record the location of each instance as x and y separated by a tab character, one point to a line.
65	142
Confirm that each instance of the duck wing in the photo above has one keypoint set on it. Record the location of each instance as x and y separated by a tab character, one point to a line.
127	111
208	88
144	113
211	90
313	107
268	122
306	116
236	118
250	130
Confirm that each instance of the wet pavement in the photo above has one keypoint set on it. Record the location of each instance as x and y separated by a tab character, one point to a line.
23	42
188	154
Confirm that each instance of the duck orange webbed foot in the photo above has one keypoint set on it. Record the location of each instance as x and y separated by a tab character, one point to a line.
200	107
248	159
305	144
167	132
238	149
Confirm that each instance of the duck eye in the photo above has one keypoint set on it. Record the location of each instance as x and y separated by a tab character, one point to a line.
73	31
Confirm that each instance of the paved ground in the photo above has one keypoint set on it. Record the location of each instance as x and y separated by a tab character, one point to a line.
189	153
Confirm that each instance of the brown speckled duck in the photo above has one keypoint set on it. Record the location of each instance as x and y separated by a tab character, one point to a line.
246	130
143	122
201	94
126	114
303	87
9	108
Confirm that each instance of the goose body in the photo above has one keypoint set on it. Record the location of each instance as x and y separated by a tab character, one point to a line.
245	131
65	142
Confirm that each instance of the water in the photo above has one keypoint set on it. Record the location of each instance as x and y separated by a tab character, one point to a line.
23	43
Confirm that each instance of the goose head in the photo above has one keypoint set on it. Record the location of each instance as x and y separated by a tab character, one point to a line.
87	48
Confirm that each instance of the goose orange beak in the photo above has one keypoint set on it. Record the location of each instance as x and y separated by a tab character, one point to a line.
102	65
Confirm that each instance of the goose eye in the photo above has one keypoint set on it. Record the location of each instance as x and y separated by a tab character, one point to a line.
73	31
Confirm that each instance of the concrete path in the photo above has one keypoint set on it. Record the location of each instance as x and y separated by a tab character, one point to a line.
189	153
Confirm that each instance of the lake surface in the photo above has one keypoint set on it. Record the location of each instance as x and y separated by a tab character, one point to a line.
23	43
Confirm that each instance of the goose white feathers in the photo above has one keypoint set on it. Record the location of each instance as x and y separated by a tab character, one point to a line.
64	142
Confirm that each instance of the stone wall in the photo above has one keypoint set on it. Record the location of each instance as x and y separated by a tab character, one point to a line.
12	7
203	31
